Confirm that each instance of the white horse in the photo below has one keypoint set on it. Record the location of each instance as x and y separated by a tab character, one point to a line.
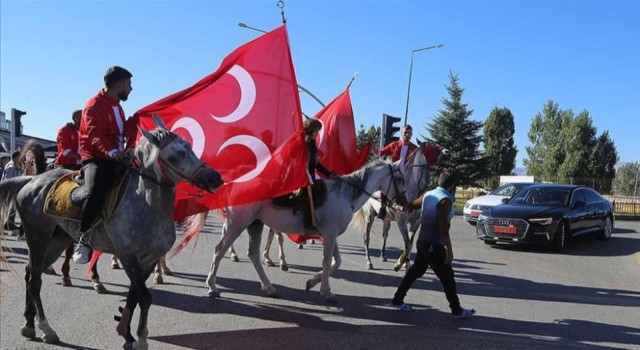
417	178
266	252
344	196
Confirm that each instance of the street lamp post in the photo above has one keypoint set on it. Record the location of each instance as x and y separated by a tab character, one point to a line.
406	111
243	25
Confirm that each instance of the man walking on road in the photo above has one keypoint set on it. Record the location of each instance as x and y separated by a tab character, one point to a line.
434	245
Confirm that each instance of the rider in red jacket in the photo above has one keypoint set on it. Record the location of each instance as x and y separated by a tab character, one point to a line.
68	141
102	146
397	150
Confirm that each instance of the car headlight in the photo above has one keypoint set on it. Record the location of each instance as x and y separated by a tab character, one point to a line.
542	221
482	217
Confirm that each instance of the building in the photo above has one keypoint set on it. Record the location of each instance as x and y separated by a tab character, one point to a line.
5	139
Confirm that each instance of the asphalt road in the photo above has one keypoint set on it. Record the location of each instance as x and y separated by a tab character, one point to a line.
587	297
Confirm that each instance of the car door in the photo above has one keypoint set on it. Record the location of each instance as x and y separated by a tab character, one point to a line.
598	210
578	215
594	210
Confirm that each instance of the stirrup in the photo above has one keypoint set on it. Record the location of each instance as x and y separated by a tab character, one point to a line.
81	254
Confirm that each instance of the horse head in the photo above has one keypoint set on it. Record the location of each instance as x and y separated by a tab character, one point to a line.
172	160
416	173
396	190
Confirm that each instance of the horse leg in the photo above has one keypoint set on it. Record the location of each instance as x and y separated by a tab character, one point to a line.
218	253
29	328
267	248
328	248
402	260
232	254
95	279
255	235
163	265
144	301
366	238
386	225
65	268
157	279
283	263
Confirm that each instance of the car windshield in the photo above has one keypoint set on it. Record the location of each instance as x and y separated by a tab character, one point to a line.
553	196
508	189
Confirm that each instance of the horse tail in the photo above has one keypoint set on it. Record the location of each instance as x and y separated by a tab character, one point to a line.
358	220
192	227
8	191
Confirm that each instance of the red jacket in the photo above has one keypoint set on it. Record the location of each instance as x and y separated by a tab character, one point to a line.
102	127
393	149
67	139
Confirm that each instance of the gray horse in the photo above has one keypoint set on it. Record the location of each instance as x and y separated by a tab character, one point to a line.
140	231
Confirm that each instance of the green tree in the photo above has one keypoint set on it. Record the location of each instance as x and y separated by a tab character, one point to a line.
499	145
546	154
566	149
372	134
453	129
624	183
603	160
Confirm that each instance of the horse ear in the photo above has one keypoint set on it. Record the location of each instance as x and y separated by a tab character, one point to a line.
149	136
159	122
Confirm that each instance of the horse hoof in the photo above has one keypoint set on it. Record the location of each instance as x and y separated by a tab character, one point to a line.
50	338
269	262
310	284
98	287
50	271
28	332
234	258
158	279
213	294
115	266
383	258
128	346
332	299
167	272
284	267
396	268
369	266
66	282
272	294
300	246
140	345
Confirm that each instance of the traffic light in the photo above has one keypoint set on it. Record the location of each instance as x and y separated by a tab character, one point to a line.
388	129
16	114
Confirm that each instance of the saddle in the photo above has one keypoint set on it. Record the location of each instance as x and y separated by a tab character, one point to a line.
66	196
299	200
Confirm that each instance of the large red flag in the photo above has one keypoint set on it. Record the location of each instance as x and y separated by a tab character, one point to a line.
337	145
245	121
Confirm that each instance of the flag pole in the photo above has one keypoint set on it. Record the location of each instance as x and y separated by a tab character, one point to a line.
353	78
280	5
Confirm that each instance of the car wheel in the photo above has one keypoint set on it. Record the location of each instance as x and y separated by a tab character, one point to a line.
490	242
472	223
559	237
607	229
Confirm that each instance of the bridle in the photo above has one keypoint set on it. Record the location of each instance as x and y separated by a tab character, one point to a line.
392	182
163	165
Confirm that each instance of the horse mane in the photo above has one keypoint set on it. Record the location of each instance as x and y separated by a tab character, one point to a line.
352	184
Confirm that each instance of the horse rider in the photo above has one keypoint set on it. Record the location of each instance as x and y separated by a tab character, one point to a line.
68	141
397	150
102	147
311	128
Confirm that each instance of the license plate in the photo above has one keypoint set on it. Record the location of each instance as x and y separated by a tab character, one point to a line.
475	214
510	230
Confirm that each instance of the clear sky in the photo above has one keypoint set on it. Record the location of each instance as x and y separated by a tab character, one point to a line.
583	55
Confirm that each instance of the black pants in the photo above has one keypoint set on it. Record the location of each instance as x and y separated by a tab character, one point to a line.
433	255
98	176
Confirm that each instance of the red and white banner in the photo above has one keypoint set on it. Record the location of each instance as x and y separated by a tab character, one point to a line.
245	121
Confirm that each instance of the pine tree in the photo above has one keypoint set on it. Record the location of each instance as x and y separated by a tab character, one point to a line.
368	135
452	129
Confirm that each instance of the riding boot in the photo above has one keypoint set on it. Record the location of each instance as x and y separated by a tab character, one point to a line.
82	251
382	213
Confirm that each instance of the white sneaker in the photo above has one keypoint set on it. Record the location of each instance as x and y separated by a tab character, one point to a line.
465	313
81	254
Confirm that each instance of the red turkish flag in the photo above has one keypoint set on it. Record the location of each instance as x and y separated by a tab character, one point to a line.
245	121
337	147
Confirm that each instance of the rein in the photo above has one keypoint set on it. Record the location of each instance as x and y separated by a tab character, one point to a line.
392	181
